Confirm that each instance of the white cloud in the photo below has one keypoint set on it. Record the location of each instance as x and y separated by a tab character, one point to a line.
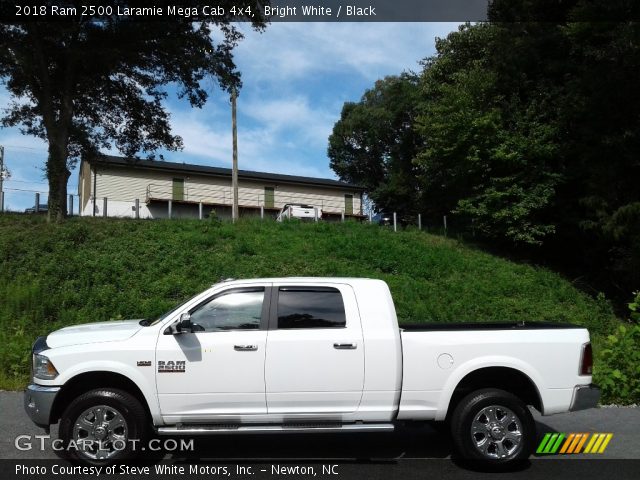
260	148
12	138
293	50
296	78
293	115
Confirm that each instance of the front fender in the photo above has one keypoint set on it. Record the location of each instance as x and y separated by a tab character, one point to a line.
145	382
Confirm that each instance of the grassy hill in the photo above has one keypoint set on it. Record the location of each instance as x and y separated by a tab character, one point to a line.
95	269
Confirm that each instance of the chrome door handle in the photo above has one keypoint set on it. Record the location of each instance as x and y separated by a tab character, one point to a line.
345	346
245	348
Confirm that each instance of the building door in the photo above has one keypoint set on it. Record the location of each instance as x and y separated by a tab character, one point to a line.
269	197
178	189
348	204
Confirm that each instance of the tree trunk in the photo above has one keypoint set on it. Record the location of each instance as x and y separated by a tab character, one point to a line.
58	175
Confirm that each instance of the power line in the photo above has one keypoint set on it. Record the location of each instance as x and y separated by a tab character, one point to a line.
27	148
76	194
26	181
25	190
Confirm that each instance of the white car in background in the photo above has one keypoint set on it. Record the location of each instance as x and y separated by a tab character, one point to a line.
298	210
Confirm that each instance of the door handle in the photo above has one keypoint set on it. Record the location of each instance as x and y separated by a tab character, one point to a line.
345	346
245	348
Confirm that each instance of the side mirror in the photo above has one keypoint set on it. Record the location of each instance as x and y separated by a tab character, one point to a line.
184	325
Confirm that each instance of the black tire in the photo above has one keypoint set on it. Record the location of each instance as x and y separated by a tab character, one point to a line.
115	407
495	444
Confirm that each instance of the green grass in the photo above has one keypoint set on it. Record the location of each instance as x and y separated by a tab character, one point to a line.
90	269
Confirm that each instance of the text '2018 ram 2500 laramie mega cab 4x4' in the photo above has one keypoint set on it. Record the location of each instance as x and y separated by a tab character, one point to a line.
304	355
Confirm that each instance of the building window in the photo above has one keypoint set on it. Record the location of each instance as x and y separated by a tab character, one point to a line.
269	197
178	189
348	204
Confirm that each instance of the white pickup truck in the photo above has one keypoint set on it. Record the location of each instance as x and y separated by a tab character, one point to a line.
303	355
302	212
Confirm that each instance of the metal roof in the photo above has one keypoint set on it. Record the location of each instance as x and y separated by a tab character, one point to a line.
219	172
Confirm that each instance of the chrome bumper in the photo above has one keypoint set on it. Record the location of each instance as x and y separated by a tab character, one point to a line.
585	396
38	401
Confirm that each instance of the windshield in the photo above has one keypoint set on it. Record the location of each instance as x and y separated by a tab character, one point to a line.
147	323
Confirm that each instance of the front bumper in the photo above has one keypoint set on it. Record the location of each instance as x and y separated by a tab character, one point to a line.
38	401
585	396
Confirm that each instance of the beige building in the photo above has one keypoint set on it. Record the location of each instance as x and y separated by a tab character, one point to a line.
162	189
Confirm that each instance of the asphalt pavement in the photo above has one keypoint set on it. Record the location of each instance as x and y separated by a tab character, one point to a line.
409	452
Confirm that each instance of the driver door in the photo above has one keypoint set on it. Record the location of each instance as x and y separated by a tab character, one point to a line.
219	368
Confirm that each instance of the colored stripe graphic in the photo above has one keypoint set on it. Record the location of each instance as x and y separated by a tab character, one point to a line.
555	447
591	442
544	441
606	442
567	443
573	443
550	444
582	440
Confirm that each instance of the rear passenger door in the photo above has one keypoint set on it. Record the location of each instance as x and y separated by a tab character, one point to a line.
315	351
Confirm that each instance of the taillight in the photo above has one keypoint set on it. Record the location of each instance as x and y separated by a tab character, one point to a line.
586	364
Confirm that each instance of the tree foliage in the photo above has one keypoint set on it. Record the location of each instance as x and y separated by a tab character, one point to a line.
527	132
374	143
90	84
491	148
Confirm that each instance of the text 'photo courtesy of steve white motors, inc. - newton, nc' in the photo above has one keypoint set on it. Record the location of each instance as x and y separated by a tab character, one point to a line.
316	470
294	12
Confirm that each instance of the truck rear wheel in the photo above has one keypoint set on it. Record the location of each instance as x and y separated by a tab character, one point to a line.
493	426
103	426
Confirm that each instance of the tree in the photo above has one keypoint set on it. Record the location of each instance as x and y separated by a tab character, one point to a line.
490	145
531	133
373	144
93	83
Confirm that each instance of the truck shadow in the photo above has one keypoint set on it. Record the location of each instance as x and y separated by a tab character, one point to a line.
416	442
404	442
424	441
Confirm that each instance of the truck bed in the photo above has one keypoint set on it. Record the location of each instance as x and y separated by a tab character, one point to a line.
456	326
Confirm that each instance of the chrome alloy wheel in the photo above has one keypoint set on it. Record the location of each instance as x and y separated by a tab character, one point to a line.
100	432
496	432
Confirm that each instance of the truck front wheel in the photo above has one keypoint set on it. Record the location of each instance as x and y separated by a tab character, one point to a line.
103	426
493	426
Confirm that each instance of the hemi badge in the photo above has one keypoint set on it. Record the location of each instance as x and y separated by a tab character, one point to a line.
144	363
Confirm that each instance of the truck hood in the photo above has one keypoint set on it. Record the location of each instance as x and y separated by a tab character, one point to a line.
93	333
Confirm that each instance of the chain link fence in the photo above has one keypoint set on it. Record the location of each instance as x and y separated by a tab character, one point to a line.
155	205
21	200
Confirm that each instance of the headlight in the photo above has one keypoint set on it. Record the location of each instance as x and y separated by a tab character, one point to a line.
43	368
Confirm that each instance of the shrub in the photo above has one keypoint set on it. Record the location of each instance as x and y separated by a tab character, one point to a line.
618	371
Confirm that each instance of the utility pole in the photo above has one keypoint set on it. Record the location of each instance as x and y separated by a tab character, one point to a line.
1	178
234	172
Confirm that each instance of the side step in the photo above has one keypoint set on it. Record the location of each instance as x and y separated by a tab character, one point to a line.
204	429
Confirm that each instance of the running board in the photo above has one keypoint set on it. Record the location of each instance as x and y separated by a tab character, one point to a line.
295	428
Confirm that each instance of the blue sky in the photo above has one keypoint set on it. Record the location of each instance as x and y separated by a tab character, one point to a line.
296	78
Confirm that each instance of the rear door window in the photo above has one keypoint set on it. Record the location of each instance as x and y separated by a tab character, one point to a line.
310	307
